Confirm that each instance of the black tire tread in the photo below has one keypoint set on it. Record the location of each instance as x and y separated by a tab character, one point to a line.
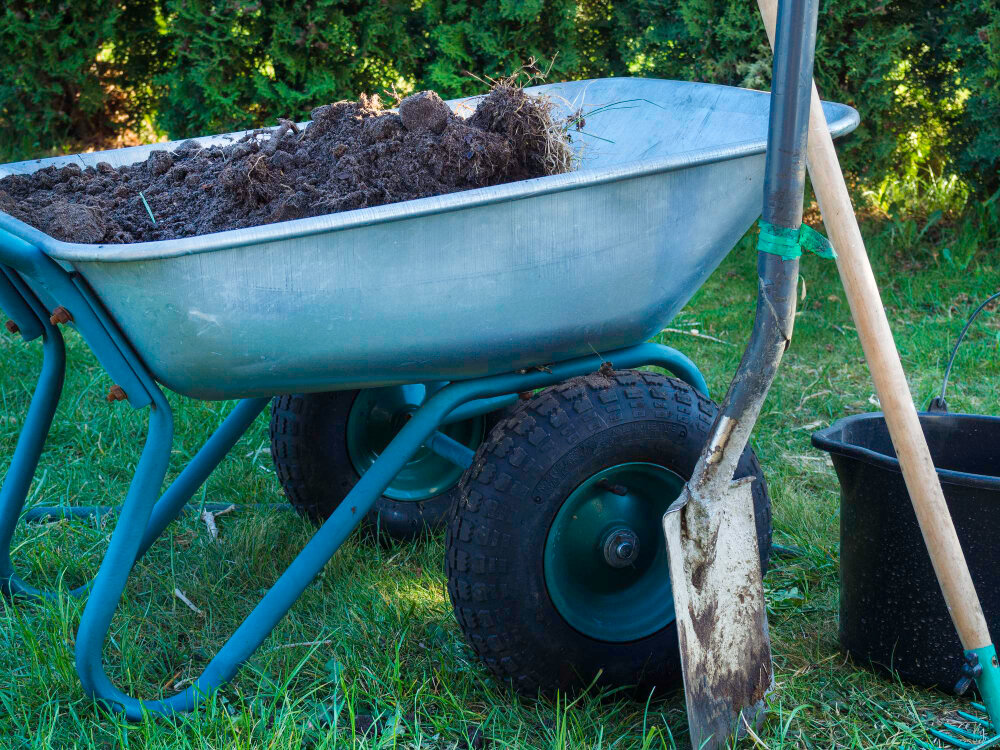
507	465
293	456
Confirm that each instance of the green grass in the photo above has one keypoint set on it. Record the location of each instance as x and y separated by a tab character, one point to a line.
384	642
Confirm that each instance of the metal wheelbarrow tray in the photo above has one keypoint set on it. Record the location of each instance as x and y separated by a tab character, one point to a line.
463	285
479	296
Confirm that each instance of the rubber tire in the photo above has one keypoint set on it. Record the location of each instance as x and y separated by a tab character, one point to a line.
522	474
309	450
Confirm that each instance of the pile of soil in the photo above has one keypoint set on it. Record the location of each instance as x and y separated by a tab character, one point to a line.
352	155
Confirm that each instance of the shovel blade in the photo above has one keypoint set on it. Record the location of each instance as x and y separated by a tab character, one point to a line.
721	616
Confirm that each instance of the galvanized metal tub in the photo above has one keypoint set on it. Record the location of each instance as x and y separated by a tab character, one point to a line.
457	286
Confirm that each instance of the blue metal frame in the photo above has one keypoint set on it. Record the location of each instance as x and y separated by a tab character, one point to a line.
127	540
450	449
144	514
31	441
19	311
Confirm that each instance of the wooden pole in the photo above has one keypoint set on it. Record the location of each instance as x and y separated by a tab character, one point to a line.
887	373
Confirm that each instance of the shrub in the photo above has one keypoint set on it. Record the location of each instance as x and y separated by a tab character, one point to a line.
861	56
961	68
238	64
73	72
925	75
492	38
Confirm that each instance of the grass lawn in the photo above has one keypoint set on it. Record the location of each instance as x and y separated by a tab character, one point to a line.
374	636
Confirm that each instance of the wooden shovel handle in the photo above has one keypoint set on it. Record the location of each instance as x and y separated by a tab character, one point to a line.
887	372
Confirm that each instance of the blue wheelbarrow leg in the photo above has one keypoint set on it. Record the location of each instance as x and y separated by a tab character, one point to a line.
205	461
126	540
31	441
169	506
29	446
125	543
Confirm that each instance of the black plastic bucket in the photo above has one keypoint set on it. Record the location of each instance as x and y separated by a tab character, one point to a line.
892	612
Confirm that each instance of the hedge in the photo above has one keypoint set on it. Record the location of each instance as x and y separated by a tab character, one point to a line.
238	64
75	72
924	74
964	36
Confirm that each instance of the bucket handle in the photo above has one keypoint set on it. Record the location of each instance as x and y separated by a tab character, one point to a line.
938	403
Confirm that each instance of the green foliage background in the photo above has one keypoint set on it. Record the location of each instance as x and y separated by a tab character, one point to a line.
72	72
925	74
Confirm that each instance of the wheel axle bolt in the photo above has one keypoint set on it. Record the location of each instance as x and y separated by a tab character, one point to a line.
116	393
12	326
60	315
621	548
624	550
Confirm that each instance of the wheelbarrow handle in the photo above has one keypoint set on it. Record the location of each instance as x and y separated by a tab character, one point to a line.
18	254
887	373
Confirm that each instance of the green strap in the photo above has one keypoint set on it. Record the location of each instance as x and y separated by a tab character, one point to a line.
789	243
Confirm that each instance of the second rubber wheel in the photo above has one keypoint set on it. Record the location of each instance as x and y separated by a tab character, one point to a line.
322	443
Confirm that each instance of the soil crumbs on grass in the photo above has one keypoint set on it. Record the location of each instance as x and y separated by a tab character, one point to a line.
352	155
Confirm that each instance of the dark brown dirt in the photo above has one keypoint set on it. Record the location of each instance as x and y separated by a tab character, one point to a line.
352	155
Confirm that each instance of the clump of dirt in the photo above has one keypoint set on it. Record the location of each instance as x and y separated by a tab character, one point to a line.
352	155
538	140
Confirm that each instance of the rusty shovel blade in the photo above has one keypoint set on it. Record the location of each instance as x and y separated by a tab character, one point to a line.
721	615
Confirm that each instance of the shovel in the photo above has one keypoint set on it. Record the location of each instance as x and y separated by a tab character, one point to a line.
710	530
901	417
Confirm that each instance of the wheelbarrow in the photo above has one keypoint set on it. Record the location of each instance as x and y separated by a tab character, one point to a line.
534	297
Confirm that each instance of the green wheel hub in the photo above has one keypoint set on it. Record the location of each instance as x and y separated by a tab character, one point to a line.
605	560
378	414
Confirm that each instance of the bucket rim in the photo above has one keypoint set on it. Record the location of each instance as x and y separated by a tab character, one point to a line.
826	440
